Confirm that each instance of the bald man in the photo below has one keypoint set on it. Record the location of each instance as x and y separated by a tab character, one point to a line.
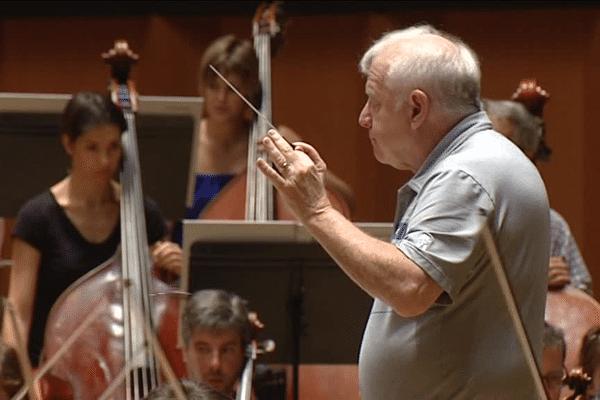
439	327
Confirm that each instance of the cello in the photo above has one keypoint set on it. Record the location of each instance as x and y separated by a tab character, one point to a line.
100	337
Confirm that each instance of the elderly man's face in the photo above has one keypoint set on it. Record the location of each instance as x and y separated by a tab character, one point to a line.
215	358
386	119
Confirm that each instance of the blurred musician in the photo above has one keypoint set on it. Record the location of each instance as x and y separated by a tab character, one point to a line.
215	331
73	227
553	361
217	328
589	360
566	262
222	151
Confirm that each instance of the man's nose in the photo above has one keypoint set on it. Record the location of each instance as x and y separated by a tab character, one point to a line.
215	360
364	118
222	94
104	158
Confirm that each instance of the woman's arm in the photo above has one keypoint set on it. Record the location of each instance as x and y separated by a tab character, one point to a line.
21	293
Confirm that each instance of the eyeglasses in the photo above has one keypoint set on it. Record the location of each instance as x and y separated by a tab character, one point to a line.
554	379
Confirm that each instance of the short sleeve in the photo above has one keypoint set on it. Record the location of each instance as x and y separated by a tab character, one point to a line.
31	224
443	232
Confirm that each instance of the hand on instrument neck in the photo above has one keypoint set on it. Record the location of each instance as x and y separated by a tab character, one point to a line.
168	255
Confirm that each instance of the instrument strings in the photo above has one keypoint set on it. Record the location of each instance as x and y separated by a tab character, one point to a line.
136	268
259	190
263	190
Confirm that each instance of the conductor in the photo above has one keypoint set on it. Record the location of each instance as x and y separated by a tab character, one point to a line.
439	327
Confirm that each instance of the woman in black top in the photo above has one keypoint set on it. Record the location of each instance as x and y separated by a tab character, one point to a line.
73	227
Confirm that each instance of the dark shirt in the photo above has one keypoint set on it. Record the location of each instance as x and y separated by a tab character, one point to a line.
65	254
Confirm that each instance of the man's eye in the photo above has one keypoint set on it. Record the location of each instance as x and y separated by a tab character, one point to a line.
373	104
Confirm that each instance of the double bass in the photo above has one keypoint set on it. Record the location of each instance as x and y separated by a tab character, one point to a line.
100	337
250	195
567	308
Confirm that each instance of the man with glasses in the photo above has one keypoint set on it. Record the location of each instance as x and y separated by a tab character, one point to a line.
553	361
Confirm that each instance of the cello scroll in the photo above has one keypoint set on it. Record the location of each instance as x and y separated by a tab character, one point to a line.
534	98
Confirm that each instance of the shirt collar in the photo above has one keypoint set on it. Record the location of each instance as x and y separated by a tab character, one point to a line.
462	131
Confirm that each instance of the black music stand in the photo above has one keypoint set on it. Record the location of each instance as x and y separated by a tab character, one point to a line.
312	310
30	126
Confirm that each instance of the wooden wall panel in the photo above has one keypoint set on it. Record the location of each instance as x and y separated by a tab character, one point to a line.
319	93
62	55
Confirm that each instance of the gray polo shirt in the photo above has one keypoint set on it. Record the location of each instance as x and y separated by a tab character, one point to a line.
464	346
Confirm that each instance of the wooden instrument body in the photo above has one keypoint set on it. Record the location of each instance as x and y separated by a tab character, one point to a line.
229	204
95	359
574	312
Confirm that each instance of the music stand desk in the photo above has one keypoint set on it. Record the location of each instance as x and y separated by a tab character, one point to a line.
301	295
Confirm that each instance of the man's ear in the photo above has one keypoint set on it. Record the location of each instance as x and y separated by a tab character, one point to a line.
67	144
420	104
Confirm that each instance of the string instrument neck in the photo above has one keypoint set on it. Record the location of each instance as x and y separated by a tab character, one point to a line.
135	257
259	191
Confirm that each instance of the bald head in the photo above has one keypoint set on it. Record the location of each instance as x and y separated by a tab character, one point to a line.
422	57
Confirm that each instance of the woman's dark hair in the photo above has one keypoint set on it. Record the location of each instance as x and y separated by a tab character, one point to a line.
230	55
87	110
